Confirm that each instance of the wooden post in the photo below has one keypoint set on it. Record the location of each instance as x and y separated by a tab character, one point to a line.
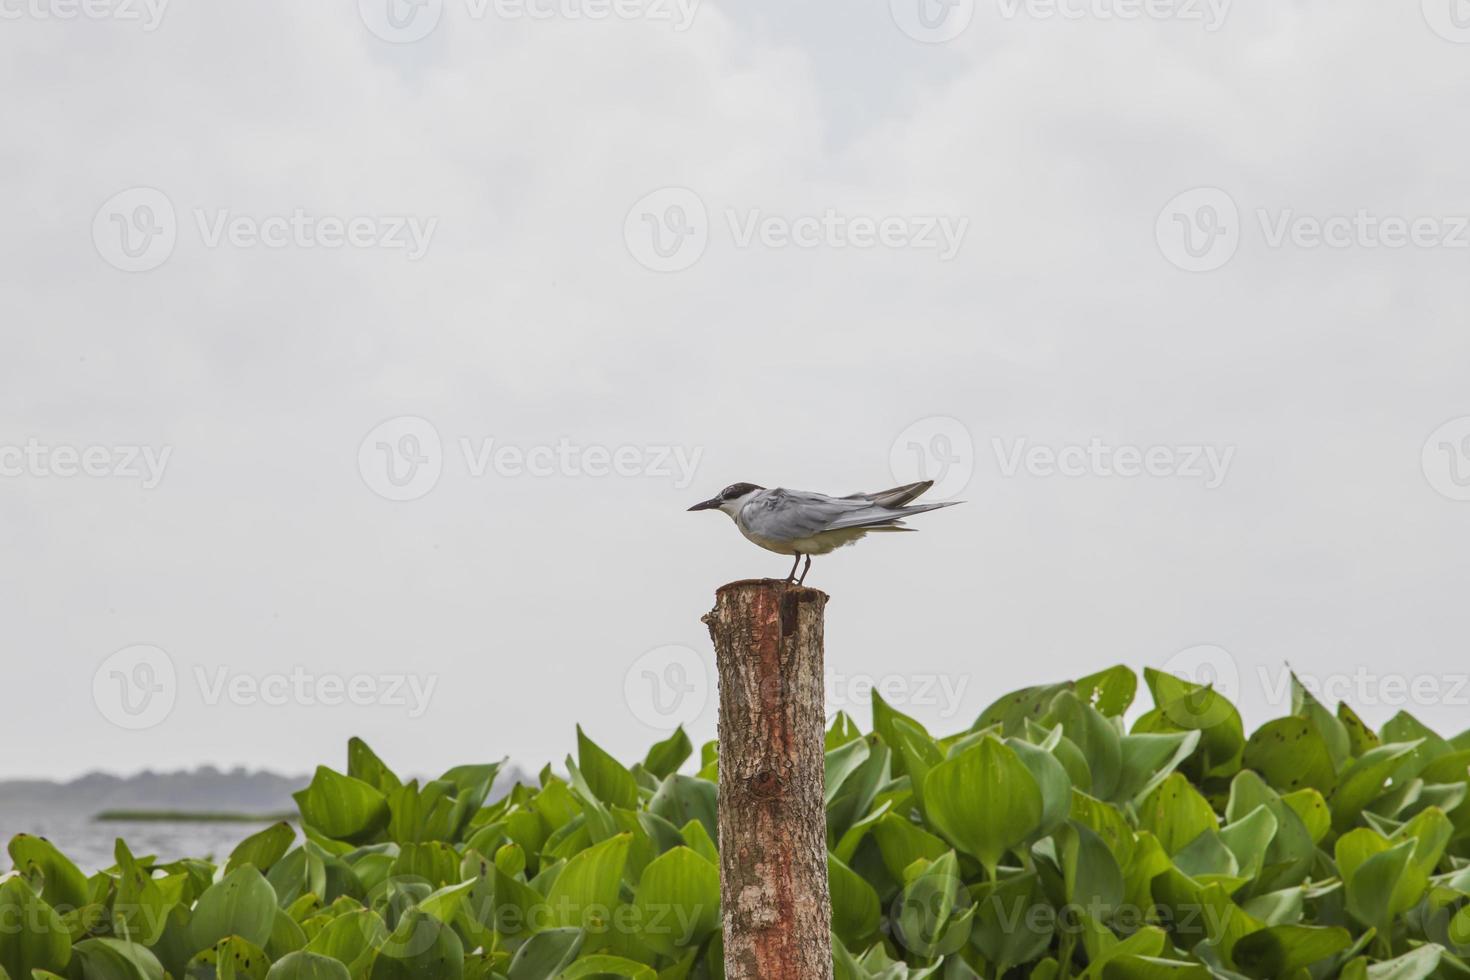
773	823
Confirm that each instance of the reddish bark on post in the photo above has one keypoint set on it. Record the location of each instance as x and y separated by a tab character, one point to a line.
773	831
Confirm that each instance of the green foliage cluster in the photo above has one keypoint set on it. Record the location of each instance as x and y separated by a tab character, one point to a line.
1048	840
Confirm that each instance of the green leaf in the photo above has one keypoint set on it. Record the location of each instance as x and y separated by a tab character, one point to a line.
1079	770
665	758
301	872
1109	824
1091	876
263	849
856	909
1280	951
1012	923
229	959
984	800
1176	813
1278	908
1417	965
1206	859
1380	880
32	935
1291	754
608	779
1289	855
700	842
421	948
307	966
1047	969
1360	737
242	903
587	888
1010	711
363	764
852	808
434	862
684	798
1194	912
420	814
114	959
1431	831
444	903
518	907
1315	815
884	717
64	886
1186	706
1147	760
605	966
1248	837
1363	781
472	785
342	807
173	949
546	955
842	730
844	965
1148	941
286	936
1153	968
1095	736
1051	779
511	859
1328	726
678	901
901	842
1110	691
841	763
140	908
351	938
929	919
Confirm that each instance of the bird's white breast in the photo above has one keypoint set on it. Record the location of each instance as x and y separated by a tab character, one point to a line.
822	543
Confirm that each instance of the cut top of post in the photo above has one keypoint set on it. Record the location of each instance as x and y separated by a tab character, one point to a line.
759	591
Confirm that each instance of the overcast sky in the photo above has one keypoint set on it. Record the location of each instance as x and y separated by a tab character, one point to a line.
357	353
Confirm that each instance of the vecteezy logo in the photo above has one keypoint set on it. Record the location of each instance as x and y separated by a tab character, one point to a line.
667	687
937	448
136	230
136	687
932	21
1450	19
401	459
1199	230
1446	459
401	21
667	231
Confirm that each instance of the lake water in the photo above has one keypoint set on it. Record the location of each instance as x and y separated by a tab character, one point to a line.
89	843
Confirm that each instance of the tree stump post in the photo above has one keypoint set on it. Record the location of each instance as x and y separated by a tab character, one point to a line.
773	823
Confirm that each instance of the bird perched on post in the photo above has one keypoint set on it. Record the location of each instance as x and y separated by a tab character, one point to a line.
802	523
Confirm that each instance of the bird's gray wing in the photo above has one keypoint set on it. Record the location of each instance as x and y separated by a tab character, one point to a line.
785	515
896	497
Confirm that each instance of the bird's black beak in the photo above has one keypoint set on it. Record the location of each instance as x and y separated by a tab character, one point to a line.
710	504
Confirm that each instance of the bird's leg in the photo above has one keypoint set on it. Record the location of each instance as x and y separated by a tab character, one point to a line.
804	570
792	576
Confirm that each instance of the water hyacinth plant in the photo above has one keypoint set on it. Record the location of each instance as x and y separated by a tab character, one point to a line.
1048	840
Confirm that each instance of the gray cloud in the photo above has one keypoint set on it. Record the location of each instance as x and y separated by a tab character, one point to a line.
530	321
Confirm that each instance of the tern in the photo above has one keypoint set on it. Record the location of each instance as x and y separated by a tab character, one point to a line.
802	523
